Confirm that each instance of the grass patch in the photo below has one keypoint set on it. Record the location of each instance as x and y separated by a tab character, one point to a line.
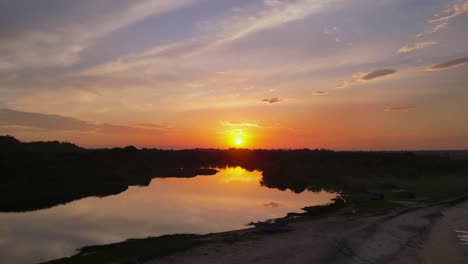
233	237
337	204
355	198
315	211
134	251
437	188
361	204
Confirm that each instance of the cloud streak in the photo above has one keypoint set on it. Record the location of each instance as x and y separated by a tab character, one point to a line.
319	93
448	64
442	19
162	54
239	125
272	100
272	204
361	77
61	38
276	14
378	74
415	46
42	121
399	108
247	22
45	122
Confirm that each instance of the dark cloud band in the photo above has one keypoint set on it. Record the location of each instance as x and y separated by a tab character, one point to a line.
377	74
448	64
272	100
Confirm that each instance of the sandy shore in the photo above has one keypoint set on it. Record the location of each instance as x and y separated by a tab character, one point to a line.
411	235
445	242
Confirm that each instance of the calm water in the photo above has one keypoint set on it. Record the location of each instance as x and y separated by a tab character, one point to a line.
203	204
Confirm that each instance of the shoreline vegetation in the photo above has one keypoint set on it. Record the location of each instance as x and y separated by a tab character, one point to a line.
40	175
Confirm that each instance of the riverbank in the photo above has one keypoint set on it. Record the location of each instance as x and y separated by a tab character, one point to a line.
359	239
445	242
339	237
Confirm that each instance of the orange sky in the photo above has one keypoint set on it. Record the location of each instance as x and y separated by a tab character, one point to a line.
275	74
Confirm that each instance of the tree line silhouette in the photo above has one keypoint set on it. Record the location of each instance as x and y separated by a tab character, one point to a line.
39	175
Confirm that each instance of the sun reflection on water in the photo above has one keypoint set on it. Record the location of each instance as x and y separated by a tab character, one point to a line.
203	204
238	174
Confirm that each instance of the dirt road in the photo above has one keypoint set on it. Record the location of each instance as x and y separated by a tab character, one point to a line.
445	242
331	240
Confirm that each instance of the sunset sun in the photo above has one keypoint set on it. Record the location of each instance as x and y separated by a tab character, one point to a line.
199	124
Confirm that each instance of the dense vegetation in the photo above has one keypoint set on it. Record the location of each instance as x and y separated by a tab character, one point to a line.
43	174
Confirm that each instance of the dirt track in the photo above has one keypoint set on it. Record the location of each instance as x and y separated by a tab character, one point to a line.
445	242
394	238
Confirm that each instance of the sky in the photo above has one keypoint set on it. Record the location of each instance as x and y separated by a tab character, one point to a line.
335	74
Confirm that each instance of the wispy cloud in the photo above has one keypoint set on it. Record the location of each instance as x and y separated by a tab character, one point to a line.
360	77
318	93
378	74
235	127
275	14
42	121
399	108
153	126
239	132
450	13
239	125
448	64
243	23
46	122
61	38
415	46
272	204
434	29
162	54
343	85
442	19
337	34
272	100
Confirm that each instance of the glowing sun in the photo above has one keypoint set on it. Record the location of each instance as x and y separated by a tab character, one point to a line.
238	141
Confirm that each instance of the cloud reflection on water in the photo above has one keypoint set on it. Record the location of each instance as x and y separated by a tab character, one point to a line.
203	204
